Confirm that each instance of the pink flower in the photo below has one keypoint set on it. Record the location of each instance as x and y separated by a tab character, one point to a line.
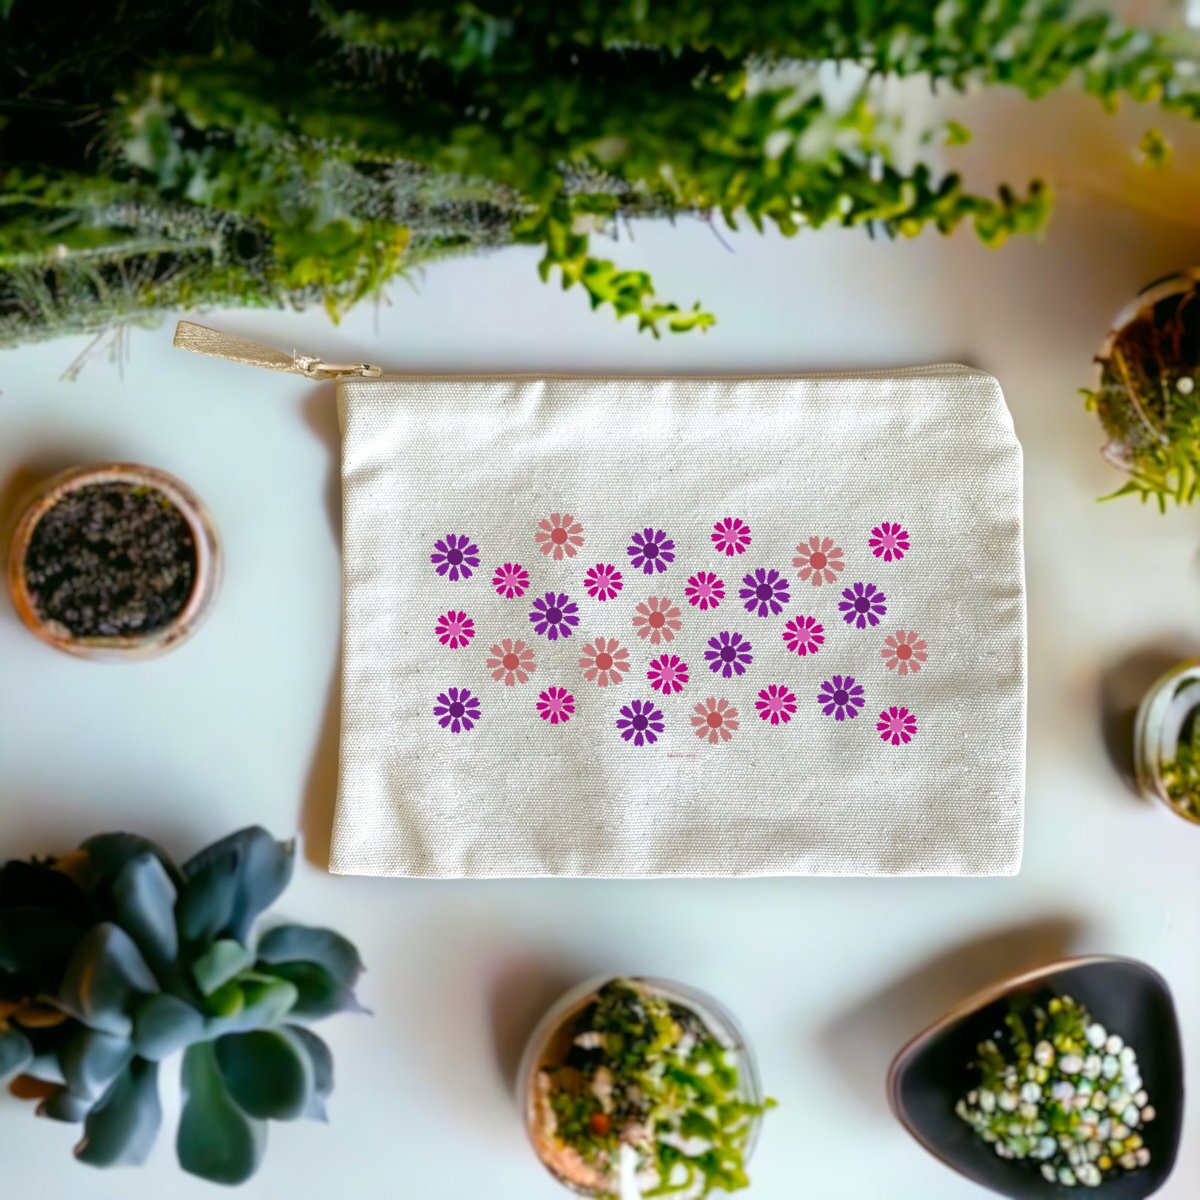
657	619
731	536
605	661
454	629
904	652
667	674
776	704
896	725
715	720
555	705
511	662
559	535
510	580
704	590
803	635
888	541
603	581
819	561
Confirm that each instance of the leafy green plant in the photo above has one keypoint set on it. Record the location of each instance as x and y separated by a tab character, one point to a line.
305	151
114	959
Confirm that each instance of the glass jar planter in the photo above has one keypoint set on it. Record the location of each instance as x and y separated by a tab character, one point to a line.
1166	741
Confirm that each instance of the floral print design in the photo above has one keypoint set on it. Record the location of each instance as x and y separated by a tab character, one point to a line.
560	535
862	604
728	654
456	709
841	697
605	661
764	591
603	581
640	722
888	541
455	557
651	551
804	635
714	720
511	662
731	536
454	629
904	652
819	561
657	619
776	704
704	591
896	725
511	581
555	615
556	705
667	674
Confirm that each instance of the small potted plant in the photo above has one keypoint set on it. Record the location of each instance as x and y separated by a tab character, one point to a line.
1166	742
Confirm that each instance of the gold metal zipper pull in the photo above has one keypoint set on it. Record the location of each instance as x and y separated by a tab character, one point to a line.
200	339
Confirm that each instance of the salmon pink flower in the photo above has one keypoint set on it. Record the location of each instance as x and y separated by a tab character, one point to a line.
605	661
657	619
559	535
714	720
511	661
819	561
904	652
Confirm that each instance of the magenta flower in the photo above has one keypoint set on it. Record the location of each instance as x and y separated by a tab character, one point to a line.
555	614
888	541
667	674
454	629
603	581
651	551
862	604
776	704
731	536
455	556
640	722
555	705
704	590
896	725
764	591
510	581
456	709
840	697
803	635
728	654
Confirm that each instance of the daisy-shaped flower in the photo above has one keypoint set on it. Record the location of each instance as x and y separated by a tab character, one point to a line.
731	536
841	697
896	725
456	709
764	591
819	561
605	661
555	705
667	674
728	654
704	590
454	629
511	662
776	704
803	635
640	722
714	720
603	581
555	614
888	541
904	652
559	535
511	581
657	619
862	604
651	550
455	556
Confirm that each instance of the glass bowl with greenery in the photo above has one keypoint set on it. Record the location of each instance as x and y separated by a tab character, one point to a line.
1166	741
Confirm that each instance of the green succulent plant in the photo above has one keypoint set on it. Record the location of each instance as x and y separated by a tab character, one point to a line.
113	959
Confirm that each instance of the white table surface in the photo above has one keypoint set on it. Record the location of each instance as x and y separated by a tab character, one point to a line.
829	977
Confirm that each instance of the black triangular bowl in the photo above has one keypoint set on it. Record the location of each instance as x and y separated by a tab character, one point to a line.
933	1071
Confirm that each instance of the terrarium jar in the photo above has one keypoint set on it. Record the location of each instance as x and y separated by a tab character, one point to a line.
114	561
1166	741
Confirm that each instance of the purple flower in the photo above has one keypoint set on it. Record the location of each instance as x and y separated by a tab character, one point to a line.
555	614
456	710
862	604
765	592
840	697
652	551
728	654
455	556
640	722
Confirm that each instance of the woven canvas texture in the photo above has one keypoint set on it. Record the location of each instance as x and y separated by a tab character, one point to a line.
659	627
